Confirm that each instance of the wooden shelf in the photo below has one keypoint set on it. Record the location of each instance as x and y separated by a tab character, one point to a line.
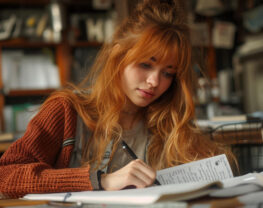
4	146
30	92
24	43
85	44
24	2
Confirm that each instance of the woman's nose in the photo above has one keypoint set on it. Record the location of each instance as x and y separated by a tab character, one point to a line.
153	79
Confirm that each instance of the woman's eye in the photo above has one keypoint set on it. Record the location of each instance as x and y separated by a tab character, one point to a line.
145	65
168	75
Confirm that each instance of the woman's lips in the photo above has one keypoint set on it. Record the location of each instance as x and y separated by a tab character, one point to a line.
146	93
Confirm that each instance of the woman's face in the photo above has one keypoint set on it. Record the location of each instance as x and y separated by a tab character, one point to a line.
145	82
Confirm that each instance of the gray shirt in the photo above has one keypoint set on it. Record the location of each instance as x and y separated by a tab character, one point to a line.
136	138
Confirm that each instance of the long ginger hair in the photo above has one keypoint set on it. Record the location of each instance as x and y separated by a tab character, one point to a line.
155	29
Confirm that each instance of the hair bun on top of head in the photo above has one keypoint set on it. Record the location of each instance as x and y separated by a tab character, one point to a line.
170	2
172	11
164	13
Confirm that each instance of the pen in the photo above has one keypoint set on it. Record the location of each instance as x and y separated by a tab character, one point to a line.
126	148
68	194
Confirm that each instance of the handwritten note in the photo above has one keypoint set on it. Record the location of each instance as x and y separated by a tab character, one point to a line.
210	169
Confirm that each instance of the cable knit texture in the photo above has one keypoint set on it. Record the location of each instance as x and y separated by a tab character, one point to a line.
37	162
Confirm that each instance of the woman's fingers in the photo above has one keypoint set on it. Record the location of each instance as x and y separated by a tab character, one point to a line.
138	176
136	173
142	171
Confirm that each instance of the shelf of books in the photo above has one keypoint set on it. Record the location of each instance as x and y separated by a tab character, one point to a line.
42	50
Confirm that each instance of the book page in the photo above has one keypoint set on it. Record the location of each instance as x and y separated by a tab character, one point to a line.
239	185
236	190
210	169
254	198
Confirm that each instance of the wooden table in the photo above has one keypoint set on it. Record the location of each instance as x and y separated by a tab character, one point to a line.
19	202
211	202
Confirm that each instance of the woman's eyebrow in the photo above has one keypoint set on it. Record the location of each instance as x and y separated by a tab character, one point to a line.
154	60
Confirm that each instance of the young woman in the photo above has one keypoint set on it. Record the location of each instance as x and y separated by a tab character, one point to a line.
140	91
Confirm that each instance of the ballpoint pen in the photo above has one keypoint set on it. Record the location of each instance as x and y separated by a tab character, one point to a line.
134	157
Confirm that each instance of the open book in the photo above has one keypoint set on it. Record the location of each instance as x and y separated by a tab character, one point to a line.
211	176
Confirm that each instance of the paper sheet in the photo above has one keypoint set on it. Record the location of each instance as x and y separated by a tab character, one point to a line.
210	169
239	185
252	198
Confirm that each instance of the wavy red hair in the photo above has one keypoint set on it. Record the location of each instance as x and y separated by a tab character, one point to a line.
154	30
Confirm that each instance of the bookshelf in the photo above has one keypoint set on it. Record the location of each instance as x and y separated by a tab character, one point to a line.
62	60
62	48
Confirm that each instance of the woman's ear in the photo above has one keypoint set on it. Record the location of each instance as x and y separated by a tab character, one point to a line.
115	50
116	47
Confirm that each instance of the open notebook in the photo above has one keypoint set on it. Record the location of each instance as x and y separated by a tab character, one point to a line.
211	176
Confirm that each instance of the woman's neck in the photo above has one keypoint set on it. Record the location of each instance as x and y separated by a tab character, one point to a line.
129	119
130	115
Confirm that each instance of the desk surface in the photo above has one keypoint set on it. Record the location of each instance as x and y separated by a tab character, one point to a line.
19	202
214	203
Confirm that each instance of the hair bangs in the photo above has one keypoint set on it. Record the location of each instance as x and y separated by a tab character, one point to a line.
164	44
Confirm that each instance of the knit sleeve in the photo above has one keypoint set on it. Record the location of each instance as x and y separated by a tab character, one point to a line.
36	163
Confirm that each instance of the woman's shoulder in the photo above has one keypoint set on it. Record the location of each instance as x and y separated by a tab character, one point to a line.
60	100
67	101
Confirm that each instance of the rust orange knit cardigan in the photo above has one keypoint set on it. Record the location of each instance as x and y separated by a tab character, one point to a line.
37	162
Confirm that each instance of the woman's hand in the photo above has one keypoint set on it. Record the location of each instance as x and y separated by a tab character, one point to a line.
136	173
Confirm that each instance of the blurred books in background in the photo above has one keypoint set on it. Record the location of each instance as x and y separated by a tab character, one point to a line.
16	120
243	133
236	129
29	70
